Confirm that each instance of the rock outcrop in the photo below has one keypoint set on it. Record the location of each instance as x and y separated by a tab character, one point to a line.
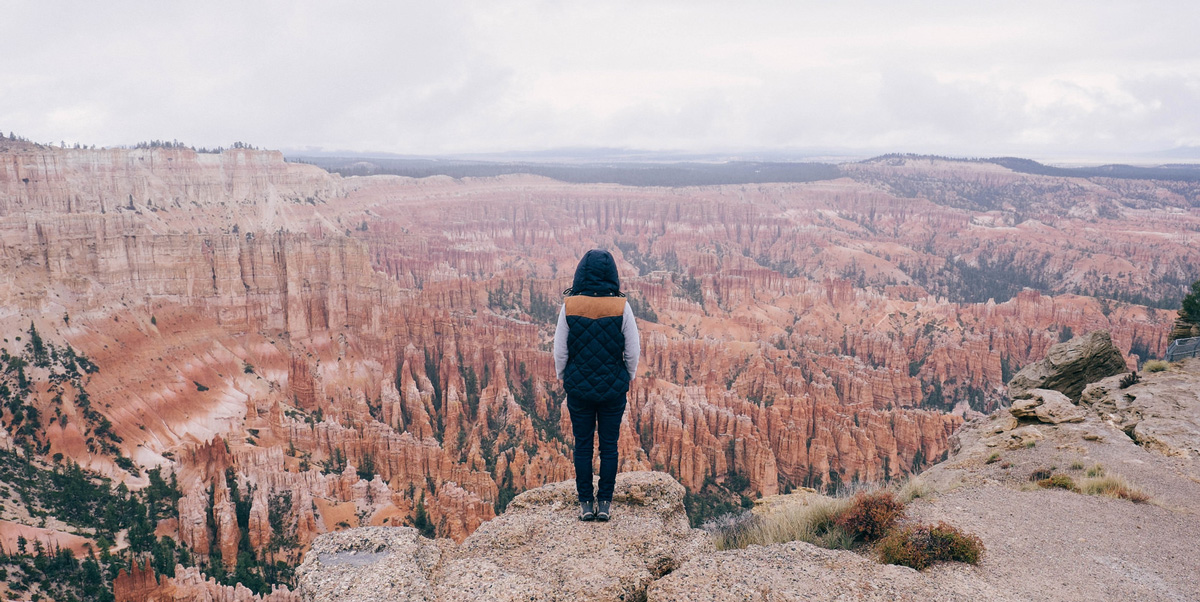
800	571
1160	412
1046	405
1068	367
1090	542
1184	328
371	564
536	551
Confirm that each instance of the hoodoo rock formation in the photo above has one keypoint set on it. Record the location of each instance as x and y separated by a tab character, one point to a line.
305	353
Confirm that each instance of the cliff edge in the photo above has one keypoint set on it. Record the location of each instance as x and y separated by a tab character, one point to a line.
537	550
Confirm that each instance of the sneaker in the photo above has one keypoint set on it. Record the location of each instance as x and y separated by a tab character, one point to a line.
602	513
585	511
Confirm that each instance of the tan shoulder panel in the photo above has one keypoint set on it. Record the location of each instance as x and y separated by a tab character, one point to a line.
595	307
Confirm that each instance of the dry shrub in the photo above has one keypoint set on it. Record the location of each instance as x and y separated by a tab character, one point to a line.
1060	481
1130	379
731	531
1040	474
1114	486
1095	471
871	515
919	546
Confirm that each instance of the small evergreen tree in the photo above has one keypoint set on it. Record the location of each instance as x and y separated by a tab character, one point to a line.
1188	324
1190	309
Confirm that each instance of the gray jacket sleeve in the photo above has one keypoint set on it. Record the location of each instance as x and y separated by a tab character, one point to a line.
633	341
560	341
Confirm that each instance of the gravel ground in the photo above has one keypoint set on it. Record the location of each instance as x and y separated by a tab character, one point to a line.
1054	544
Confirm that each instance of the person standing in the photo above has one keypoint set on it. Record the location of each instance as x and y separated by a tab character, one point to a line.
596	351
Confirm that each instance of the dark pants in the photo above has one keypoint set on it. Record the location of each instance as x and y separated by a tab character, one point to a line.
587	418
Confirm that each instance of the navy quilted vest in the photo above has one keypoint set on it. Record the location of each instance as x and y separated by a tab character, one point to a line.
596	349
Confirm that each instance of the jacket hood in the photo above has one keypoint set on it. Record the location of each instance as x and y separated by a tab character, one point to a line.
596	275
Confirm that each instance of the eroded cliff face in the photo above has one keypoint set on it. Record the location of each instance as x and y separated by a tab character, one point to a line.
324	353
38	179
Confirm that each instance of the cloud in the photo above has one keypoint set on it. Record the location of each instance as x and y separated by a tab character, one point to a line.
484	76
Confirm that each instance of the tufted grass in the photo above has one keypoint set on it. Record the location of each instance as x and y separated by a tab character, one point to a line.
912	489
1058	481
1114	486
833	523
814	522
1155	366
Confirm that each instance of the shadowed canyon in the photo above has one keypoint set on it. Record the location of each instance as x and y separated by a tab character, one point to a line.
265	351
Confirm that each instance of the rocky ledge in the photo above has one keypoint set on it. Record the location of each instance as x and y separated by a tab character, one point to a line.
536	550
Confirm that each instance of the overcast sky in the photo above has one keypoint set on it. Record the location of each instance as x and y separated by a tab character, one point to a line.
435	77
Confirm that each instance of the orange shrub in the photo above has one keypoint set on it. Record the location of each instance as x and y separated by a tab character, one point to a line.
870	515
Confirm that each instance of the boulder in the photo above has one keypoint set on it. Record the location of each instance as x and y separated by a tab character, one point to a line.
1046	405
1161	412
1183	328
802	571
370	564
1020	437
539	550
536	550
1069	367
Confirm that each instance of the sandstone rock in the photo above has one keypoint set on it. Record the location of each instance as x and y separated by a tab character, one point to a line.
1068	367
369	564
1161	412
1046	405
1022	437
539	550
801	571
1184	328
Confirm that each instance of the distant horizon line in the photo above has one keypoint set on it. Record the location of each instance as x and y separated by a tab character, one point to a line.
581	155
1183	154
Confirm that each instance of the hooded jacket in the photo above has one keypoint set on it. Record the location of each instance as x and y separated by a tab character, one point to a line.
596	344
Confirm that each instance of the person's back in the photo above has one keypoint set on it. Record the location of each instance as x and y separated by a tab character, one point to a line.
596	349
